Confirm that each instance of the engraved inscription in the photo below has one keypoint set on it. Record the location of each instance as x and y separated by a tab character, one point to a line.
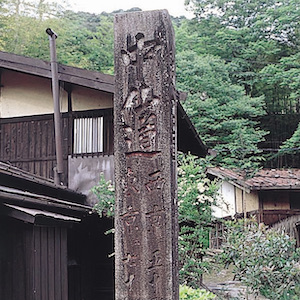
145	157
141	105
130	263
144	195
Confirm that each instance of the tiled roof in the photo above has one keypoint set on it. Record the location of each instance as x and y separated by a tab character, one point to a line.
264	179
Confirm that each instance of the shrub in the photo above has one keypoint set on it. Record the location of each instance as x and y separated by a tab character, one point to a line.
188	293
264	260
105	192
196	195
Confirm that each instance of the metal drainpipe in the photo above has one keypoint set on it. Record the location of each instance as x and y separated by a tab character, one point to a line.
58	170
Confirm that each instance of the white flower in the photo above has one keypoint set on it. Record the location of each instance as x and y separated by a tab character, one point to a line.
201	187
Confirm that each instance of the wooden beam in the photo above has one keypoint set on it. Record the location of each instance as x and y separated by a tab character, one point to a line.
30	200
37	67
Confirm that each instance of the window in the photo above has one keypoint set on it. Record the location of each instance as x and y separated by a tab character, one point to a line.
88	135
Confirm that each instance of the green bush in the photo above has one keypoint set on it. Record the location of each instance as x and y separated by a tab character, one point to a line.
264	260
105	192
196	195
188	293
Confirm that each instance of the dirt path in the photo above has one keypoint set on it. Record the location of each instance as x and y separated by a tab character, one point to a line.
222	284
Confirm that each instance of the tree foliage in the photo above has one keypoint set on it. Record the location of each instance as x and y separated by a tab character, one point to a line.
259	43
196	195
265	260
84	40
105	192
225	117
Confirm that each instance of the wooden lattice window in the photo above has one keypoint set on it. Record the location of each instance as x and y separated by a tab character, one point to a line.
88	135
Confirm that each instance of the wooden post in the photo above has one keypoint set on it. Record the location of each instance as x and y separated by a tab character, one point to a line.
146	223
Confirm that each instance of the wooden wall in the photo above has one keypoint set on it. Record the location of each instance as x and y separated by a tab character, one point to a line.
33	261
50	263
28	142
56	263
15	261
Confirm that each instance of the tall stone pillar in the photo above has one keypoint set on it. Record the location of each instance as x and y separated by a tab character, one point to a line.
146	223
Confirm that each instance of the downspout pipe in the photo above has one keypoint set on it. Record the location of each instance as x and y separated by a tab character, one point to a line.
58	170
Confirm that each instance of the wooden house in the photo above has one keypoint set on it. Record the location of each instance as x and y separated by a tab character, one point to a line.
271	196
27	130
51	244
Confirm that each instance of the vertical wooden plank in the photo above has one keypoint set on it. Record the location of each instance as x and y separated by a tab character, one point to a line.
32	142
38	147
108	133
18	265
13	141
65	148
70	133
8	148
51	270
105	135
5	153
29	256
64	264
57	265
25	143
51	148
19	145
111	135
7	279
37	263
1	273
44	142
3	139
44	263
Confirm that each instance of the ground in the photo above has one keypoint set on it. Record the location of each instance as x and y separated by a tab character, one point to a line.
222	283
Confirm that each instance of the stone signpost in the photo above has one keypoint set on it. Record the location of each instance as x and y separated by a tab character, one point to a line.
146	224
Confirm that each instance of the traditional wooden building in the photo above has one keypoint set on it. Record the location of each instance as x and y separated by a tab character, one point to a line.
51	245
271	194
27	130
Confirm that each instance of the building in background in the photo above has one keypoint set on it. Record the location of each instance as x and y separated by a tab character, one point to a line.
272	196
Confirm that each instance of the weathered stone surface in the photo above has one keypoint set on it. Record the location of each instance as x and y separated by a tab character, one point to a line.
145	157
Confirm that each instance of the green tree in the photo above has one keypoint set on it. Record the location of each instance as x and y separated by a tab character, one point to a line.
223	114
251	35
89	40
24	24
84	40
